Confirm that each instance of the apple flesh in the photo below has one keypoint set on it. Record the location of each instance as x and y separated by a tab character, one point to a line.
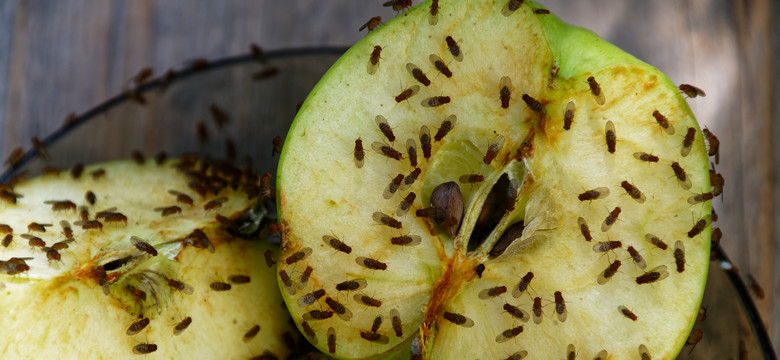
123	273
576	166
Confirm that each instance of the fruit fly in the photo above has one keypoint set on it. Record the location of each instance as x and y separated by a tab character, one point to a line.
90	197
351	285
700	225
418	74
9	196
516	312
609	131
89	224
51	254
367	300
181	197
679	256
373	60
571	352
511	6
288	284
433	15
637	258
435	101
269	258
663	122
607	274
144	348
97	174
7	240
385	128
471	178
446	127
168	210
439	64
374	337
604	246
371	264
276	145
505	91
509	334
682	177
387	220
6	229
181	286
405	204
62	245
377	323
360	154
713	144
425	141
533	104
454	48
595	194
215	204
458	319
396	322
340	310
627	313
386	150
644	353
584	229
602	355
251	333
656	241
522	286
34	226
490	293
610	219
239	279
181	326
541	11
560	306
694	339
407	93
372	23
61	205
77	170
336	244
633	192
304	277
495	146
34	240
657	273
309	332
688	141
692	91
595	90
331	338
137	326
266	72
537	310
643	156
393	186
568	115
220	286
298	256
398	5
406	240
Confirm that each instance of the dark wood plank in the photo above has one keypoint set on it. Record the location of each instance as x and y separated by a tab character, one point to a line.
7	11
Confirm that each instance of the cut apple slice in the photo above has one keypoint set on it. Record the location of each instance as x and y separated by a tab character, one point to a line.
501	208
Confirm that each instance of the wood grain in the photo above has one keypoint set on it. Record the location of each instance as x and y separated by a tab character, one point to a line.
60	57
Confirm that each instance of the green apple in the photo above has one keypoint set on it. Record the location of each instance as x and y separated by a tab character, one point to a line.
121	259
490	182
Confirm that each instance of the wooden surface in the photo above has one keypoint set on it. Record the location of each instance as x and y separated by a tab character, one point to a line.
58	57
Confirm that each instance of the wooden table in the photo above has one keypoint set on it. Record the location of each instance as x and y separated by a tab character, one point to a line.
58	57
